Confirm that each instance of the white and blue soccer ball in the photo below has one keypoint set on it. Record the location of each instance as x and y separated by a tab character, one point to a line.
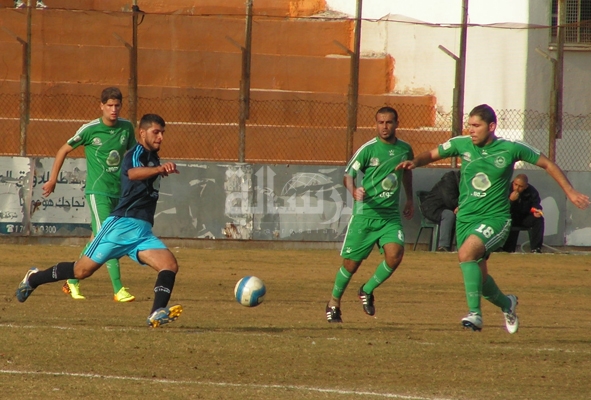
250	291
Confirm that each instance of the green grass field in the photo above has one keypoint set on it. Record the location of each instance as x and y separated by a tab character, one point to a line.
54	347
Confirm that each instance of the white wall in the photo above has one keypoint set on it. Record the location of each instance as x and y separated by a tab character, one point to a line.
503	68
440	11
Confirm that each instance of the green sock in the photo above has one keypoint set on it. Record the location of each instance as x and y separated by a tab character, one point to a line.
492	293
382	273
472	284
341	281
115	274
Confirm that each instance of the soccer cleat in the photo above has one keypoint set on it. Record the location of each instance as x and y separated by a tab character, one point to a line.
24	290
40	5
123	296
73	289
333	314
164	315
511	319
472	321
367	300
19	4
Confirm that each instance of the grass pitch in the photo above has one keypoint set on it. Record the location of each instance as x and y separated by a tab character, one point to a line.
54	347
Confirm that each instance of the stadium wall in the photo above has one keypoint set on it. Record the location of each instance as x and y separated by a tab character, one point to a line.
241	202
506	43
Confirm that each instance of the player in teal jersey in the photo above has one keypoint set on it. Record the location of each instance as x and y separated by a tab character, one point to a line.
105	141
376	215
483	219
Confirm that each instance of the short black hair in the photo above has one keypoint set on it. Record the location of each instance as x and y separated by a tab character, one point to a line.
111	93
149	119
485	112
388	110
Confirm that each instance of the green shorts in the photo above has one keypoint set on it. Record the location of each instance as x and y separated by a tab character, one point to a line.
493	233
100	208
363	233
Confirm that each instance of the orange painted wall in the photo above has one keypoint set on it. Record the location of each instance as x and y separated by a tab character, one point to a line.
180	32
291	8
189	67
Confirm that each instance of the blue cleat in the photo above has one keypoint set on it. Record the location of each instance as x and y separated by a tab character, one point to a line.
164	315
24	290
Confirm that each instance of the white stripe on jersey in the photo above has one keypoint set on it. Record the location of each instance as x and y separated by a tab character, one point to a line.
92	123
368	143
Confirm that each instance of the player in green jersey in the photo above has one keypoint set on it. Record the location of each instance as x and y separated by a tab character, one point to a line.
376	214
105	141
483	220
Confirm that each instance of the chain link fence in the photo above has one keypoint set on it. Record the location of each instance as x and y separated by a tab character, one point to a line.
284	125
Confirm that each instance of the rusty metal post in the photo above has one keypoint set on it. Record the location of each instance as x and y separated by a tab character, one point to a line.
353	95
245	83
457	125
25	108
458	115
555	126
133	69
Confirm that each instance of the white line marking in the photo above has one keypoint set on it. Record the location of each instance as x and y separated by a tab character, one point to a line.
221	384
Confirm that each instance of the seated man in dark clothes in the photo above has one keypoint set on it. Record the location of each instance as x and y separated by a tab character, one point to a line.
526	211
440	206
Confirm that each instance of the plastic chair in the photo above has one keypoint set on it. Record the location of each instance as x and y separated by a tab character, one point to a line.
427	224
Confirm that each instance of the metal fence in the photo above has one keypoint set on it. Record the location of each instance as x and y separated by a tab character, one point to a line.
57	61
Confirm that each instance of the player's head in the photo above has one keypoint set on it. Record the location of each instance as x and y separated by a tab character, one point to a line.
485	112
482	122
111	93
388	110
151	131
111	103
386	123
520	183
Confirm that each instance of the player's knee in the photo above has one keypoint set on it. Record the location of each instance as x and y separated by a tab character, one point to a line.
351	265
82	273
394	258
169	266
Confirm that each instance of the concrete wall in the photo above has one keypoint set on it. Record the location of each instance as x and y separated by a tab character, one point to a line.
242	201
503	67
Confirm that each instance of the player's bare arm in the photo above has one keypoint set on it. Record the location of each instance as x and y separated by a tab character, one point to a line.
358	193
49	186
141	173
578	199
409	208
422	159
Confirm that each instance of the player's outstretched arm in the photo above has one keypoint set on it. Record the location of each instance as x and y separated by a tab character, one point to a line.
49	186
422	159
578	199
141	173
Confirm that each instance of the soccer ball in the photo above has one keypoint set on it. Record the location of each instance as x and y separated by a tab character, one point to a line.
250	291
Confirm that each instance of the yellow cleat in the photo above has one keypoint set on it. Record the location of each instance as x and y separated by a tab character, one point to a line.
73	289
164	316
123	296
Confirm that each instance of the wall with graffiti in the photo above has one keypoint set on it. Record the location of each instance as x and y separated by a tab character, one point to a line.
242	201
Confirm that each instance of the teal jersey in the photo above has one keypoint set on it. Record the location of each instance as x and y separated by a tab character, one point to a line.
104	147
486	174
377	161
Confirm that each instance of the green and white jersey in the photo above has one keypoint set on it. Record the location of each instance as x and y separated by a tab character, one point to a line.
104	147
486	174
377	161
